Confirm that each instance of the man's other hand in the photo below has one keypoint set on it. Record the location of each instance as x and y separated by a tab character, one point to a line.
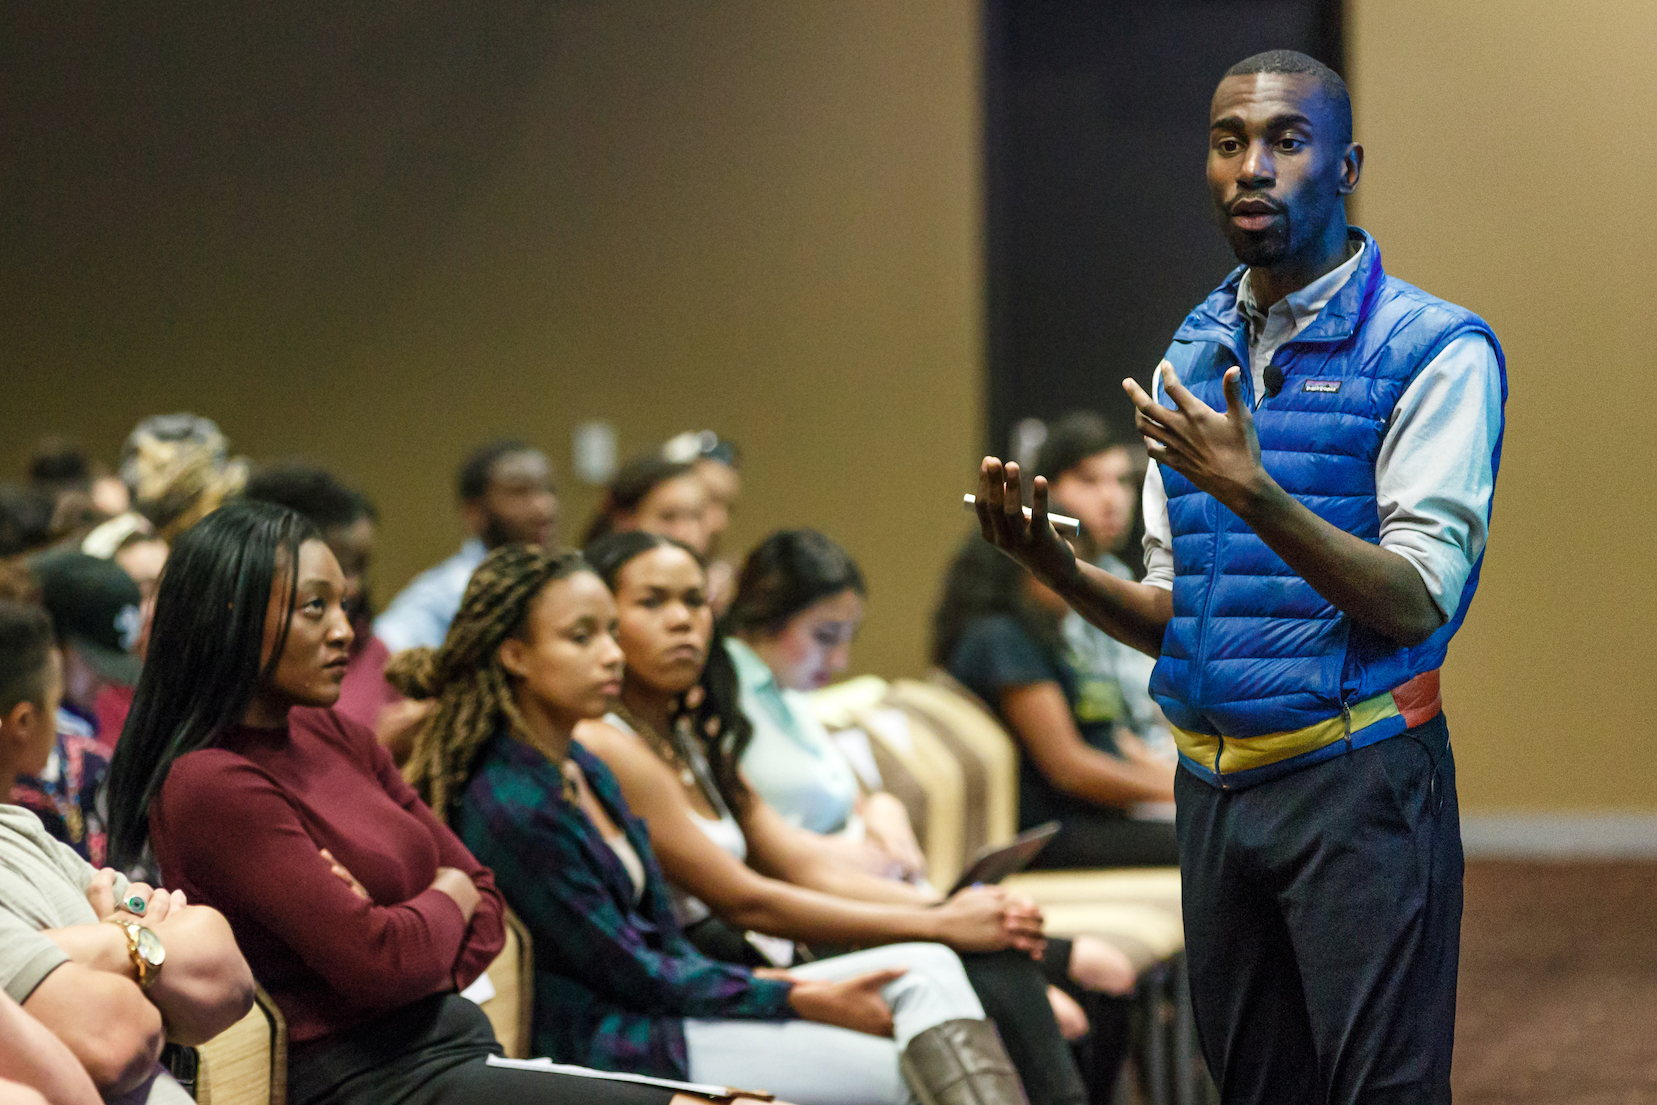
1033	542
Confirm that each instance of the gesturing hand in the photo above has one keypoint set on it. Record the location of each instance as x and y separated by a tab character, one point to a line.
1034	543
853	1003
1217	451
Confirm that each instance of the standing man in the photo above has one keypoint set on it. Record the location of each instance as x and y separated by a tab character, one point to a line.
506	495
1325	440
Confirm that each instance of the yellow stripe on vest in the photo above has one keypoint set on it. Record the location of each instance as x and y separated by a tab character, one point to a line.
1243	753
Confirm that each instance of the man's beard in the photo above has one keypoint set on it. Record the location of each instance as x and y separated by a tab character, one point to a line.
495	534
1262	249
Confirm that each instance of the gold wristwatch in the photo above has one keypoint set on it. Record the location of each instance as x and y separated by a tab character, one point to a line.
144	948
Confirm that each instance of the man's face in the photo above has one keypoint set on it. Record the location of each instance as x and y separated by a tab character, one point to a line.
31	727
518	504
1279	165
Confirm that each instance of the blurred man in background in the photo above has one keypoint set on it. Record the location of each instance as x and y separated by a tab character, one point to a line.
506	494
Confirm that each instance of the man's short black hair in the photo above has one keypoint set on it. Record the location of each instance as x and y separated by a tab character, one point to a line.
1071	440
26	643
1293	61
59	464
25	519
472	479
313	492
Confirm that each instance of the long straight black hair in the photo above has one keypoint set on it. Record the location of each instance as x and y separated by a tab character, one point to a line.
203	664
717	720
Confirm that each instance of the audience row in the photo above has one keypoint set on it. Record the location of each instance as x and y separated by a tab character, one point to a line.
617	744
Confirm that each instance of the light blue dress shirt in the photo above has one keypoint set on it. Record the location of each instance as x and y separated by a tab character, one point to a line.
792	762
421	612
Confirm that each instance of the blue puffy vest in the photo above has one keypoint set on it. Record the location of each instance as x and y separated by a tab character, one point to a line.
1252	650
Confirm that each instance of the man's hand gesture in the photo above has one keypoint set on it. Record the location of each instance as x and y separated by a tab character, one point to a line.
1217	451
1032	542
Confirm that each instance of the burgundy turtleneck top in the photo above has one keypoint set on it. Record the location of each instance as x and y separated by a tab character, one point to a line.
241	827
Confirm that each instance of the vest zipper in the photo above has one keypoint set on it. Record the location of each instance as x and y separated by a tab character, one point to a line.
1346	723
1214	579
1208	599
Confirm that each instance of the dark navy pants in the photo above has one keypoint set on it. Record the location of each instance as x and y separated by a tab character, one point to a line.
1322	920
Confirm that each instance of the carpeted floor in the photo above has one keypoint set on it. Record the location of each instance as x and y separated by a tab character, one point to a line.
1558	991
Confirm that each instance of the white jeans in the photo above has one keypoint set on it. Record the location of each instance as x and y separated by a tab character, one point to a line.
818	1064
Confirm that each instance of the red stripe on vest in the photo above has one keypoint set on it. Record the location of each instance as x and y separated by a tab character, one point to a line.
1419	700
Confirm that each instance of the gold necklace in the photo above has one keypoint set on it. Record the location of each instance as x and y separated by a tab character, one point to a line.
572	793
666	749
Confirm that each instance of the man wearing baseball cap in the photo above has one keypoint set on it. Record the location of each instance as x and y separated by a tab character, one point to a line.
95	610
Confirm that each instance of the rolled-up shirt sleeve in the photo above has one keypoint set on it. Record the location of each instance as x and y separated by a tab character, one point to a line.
1435	475
1159	534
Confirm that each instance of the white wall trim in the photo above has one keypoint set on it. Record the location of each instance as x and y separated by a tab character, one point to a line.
1568	834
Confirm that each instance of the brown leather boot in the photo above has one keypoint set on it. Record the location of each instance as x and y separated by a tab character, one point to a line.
961	1062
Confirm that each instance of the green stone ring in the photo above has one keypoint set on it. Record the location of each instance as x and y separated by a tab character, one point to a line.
135	905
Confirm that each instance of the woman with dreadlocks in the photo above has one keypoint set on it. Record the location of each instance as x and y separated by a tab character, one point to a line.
359	912
531	653
740	872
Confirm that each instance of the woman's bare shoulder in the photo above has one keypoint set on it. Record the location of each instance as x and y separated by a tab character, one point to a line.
639	771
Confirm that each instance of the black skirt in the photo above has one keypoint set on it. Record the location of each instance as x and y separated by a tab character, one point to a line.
436	1052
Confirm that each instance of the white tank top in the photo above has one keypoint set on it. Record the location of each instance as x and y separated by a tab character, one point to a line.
623	848
723	830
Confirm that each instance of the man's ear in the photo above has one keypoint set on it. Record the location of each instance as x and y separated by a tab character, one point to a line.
17	728
474	516
1352	167
17	723
514	656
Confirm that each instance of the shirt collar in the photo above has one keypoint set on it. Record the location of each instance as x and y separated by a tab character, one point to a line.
1302	306
754	674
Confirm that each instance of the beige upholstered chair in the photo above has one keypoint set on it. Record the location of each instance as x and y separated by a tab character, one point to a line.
512	1009
1137	909
1158	886
952	709
923	755
247	1063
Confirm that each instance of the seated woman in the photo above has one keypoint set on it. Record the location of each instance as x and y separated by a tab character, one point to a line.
531	654
1094	478
705	822
799	603
657	495
718	462
359	912
997	630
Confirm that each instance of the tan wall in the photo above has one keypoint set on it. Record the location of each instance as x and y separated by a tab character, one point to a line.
758	217
764	218
1509	170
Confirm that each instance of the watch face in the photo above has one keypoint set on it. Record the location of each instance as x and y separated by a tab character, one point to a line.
149	946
